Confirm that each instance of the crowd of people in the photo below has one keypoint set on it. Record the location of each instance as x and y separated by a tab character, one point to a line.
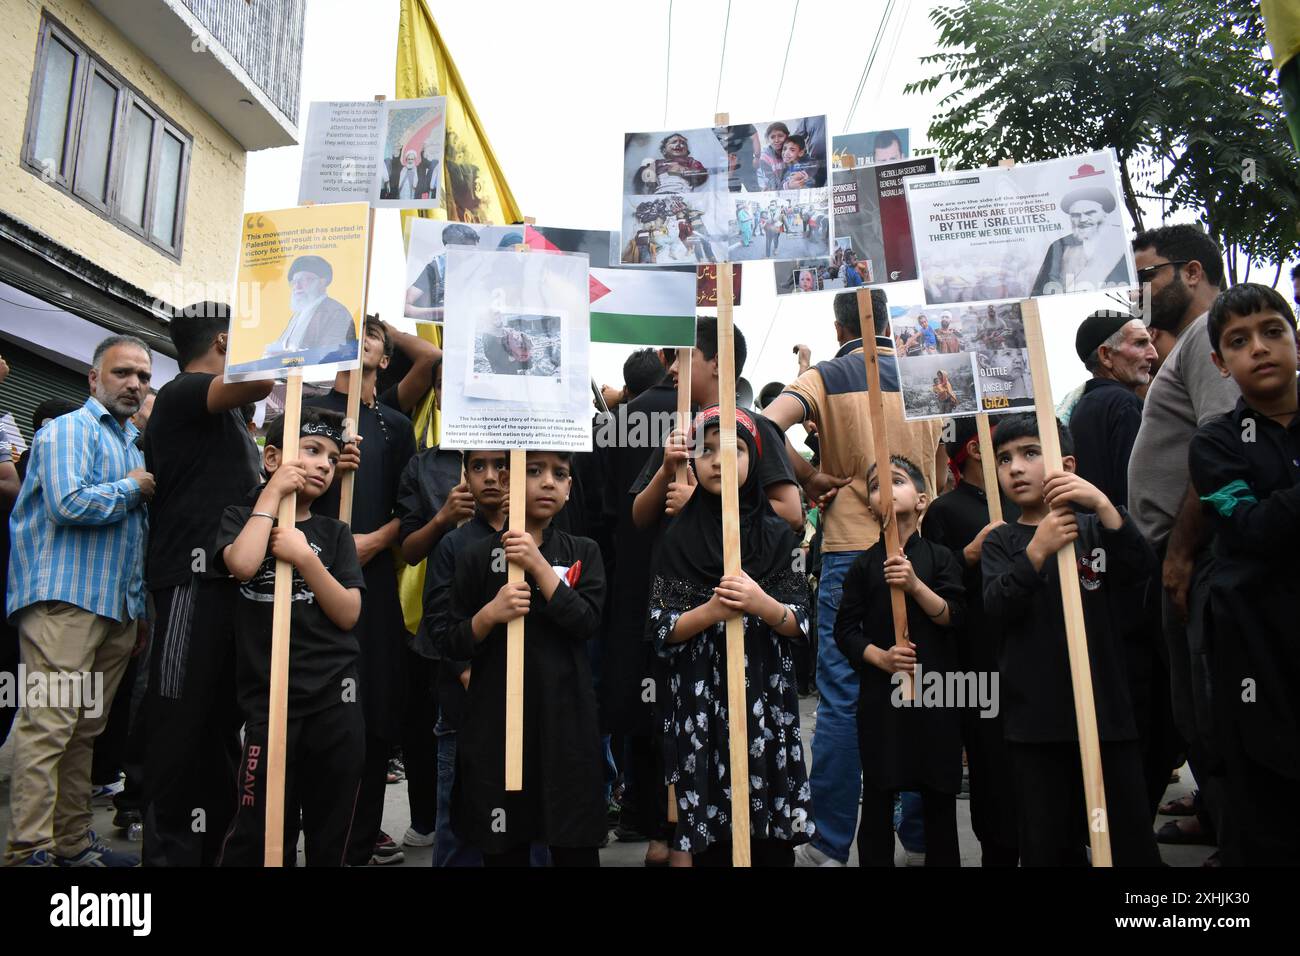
142	546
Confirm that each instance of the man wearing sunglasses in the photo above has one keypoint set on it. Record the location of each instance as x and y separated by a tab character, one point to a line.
1180	270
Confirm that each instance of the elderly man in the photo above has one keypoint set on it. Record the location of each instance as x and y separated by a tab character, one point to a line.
406	184
1092	256
316	321
75	592
1116	348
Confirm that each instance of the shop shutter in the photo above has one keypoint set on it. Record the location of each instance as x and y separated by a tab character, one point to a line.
33	379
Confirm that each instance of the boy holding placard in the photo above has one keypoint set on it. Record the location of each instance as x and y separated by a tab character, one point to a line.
1245	466
326	734
1022	597
960	521
916	746
563	592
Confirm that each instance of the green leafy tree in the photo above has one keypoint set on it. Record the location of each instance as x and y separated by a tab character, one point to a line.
1184	93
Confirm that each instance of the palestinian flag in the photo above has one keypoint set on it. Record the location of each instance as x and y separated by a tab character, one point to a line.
654	307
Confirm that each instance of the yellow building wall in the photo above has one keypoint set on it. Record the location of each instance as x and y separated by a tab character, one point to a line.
214	194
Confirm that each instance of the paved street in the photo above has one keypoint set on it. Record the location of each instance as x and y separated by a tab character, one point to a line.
397	819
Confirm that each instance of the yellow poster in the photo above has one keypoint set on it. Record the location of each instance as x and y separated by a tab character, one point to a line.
302	275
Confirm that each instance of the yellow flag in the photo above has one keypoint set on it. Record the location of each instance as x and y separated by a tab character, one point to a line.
1282	25
474	190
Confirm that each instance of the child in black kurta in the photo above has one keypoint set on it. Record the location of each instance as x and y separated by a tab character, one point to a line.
690	600
1245	466
905	747
959	520
325	732
1022	596
562	595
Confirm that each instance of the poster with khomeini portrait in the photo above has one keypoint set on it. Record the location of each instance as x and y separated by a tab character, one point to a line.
1048	228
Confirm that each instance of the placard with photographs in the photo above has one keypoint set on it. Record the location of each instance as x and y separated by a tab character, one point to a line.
516	345
388	153
426	259
412	136
962	359
731	193
871	231
1048	228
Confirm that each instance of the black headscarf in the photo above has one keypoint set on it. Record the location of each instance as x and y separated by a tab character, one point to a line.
689	562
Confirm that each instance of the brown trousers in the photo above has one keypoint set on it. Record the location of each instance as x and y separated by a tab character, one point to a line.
54	737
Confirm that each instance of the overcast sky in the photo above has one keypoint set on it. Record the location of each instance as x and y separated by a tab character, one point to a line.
557	84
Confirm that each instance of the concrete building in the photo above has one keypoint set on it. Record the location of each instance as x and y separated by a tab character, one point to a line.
124	128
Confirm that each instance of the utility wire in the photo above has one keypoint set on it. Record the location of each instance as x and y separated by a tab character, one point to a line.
668	65
794	19
721	63
871	59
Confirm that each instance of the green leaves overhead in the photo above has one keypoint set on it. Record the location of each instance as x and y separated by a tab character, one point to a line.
1184	92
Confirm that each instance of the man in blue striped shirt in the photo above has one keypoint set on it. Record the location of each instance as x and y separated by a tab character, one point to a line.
75	593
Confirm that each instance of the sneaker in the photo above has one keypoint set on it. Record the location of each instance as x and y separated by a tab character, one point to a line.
98	854
396	771
386	851
38	858
915	859
414	837
805	854
108	791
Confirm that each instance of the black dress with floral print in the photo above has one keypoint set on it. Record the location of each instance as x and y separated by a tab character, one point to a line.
696	726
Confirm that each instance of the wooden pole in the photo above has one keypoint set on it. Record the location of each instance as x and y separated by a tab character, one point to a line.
880	443
1076	638
989	466
737	705
348	482
278	706
515	628
515	634
683	425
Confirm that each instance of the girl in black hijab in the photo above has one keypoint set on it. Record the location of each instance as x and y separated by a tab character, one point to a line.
690	599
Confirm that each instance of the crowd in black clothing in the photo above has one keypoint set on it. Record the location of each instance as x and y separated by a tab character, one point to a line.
400	615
